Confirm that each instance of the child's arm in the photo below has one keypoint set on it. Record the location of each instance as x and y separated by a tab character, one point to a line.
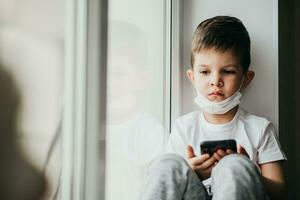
273	178
272	174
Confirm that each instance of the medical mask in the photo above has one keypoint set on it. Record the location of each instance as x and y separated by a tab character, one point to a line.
218	107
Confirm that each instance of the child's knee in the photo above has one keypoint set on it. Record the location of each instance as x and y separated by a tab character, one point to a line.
235	163
235	160
168	162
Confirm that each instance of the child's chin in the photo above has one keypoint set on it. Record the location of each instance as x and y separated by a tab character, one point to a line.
216	99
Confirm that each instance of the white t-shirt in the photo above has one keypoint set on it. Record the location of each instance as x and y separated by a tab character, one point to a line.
256	134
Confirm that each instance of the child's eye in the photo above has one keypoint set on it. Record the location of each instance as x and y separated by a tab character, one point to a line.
229	71
204	72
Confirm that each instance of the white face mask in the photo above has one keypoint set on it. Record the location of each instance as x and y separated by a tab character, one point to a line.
218	107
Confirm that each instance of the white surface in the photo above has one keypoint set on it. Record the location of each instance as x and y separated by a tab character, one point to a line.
260	19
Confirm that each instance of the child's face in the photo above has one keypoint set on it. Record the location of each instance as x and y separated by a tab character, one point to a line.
217	75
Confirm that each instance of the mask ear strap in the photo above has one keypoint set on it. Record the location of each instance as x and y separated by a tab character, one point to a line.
195	91
242	83
240	88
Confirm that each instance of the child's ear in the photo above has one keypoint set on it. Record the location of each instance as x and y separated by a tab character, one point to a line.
190	75
248	78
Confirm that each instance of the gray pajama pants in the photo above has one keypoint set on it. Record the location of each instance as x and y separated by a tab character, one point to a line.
169	177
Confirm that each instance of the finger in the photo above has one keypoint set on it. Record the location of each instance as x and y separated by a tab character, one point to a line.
208	163
230	151
221	152
217	156
199	159
190	152
239	148
242	150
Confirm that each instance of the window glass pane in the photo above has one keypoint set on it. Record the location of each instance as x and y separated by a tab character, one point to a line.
135	99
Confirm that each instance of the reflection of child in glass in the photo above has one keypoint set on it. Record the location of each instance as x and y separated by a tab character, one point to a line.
220	60
132	132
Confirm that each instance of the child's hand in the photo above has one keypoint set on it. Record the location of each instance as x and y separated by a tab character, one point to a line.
242	150
220	153
201	165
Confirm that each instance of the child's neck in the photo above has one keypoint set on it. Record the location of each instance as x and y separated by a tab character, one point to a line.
221	118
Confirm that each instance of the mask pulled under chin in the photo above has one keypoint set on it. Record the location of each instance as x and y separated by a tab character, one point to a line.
218	107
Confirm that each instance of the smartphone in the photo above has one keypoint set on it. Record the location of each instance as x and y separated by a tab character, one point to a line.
211	146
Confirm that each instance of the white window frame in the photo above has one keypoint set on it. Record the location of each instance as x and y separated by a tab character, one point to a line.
84	106
84	115
176	60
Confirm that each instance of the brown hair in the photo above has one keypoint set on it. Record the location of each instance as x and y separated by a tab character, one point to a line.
223	33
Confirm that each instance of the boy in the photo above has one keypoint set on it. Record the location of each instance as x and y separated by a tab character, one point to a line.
220	59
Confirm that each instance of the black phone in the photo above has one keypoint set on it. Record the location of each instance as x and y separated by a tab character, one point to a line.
211	146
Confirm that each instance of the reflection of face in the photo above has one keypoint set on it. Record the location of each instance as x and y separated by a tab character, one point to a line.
122	77
125	65
123	86
216	75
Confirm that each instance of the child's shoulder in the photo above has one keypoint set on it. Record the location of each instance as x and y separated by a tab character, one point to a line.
188	118
248	117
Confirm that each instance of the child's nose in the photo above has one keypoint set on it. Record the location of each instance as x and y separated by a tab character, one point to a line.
216	80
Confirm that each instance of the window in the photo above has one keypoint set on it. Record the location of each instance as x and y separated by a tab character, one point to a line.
117	89
136	94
